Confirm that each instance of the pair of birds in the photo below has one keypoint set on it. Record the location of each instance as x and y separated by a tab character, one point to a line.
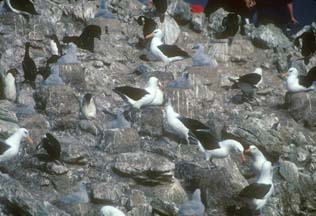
256	194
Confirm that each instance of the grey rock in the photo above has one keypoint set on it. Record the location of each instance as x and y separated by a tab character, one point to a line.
145	168
143	210
150	122
197	22
180	11
164	207
215	20
119	141
269	36
15	198
108	192
137	198
300	106
194	206
289	172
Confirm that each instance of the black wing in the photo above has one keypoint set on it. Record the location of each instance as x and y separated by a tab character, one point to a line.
308	80
149	26
308	43
3	147
131	92
1	87
172	51
193	124
72	39
207	139
255	191
251	78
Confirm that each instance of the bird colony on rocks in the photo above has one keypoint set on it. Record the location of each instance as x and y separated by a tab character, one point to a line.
136	109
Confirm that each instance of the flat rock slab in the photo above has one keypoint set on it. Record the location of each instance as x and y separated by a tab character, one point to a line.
146	168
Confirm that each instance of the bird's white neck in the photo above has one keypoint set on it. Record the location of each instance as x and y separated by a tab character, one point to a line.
156	41
265	176
229	144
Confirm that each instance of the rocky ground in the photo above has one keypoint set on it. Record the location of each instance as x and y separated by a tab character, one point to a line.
141	169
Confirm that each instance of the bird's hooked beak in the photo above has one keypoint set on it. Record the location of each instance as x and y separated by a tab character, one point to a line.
161	86
149	35
243	158
29	140
247	151
284	75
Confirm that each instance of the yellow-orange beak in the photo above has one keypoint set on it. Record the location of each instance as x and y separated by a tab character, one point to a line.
149	35
161	86
283	75
29	140
247	151
243	158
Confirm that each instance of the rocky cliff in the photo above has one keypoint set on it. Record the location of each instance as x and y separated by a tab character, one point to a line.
141	169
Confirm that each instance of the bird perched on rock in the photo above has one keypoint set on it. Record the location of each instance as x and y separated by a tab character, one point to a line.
8	84
51	146
164	52
9	148
213	148
111	211
299	83
181	82
194	207
103	11
86	39
248	83
183	126
138	97
257	194
260	156
23	7
201	59
29	66
88	107
307	43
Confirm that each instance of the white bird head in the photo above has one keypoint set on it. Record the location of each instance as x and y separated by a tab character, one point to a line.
258	71
153	82
156	34
231	144
199	47
292	72
25	134
197	195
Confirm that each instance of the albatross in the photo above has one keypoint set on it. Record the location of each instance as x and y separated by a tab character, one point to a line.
138	97
299	83
9	148
165	52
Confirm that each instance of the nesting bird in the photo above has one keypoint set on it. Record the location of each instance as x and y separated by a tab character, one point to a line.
51	146
111	211
103	11
8	84
257	194
248	83
29	66
70	56
23	7
164	52
194	207
86	39
183	126
299	83
138	97
88	107
9	148
182	82
199	58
